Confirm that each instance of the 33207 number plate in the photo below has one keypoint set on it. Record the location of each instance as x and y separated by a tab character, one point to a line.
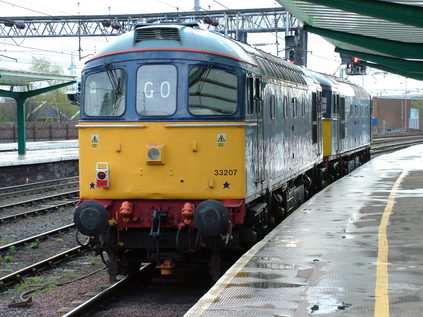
225	172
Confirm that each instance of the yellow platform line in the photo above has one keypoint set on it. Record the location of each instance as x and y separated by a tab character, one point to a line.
382	281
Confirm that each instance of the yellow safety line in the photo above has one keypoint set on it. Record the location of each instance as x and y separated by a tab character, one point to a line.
381	288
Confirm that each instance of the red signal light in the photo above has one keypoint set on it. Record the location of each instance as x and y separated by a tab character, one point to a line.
355	60
101	175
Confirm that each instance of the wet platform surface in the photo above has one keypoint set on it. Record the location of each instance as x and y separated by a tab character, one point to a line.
38	152
354	249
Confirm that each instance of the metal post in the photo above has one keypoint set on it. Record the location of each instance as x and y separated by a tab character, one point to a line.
20	103
287	25
301	49
226	24
197	6
276	36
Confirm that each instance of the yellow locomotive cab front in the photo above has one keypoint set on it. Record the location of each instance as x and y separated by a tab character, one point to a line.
162	160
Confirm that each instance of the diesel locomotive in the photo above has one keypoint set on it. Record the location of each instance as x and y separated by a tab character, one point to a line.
193	145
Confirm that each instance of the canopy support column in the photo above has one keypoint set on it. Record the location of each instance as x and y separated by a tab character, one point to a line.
21	118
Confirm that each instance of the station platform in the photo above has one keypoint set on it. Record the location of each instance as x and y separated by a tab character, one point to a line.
38	152
42	161
354	249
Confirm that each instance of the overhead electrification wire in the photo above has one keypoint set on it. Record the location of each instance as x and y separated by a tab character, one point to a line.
38	49
221	4
165	3
25	8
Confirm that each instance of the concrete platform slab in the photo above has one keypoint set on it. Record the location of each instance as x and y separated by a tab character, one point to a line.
354	249
39	152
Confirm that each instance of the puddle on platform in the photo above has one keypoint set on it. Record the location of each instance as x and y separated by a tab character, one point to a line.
268	262
268	284
261	275
348	236
264	285
405	193
266	258
327	304
286	241
272	265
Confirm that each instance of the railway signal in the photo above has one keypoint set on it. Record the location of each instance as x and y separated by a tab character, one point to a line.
355	67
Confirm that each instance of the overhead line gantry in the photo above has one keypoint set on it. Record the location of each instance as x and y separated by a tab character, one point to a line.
230	22
235	23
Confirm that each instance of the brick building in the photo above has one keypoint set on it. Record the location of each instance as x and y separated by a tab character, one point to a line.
394	114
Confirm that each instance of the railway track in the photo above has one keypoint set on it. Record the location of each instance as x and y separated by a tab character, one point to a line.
43	199
37	211
37	188
25	249
378	138
47	268
38	237
93	303
34	269
392	147
390	143
13	278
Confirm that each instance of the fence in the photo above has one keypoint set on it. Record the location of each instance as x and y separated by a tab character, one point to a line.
39	131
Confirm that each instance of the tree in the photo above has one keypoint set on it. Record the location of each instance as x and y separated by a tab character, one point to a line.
7	110
56	99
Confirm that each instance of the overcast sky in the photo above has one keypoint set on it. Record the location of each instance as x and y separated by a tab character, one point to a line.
321	56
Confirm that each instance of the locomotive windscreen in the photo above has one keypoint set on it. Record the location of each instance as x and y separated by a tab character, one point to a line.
156	90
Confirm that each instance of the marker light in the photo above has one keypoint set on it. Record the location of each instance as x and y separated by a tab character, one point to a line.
102	175
355	60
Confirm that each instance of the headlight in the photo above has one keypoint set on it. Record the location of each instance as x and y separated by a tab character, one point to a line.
155	154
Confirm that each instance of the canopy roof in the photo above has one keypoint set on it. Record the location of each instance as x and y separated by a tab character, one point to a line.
23	78
387	34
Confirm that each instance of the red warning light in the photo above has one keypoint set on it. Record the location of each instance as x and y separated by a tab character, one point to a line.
102	174
355	60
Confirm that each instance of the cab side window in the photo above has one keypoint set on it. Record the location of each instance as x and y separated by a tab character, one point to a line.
105	93
212	91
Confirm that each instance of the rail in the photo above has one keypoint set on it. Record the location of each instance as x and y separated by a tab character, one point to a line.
34	269
40	199
101	297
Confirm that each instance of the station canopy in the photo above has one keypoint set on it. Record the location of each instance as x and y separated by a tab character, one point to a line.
12	78
24	78
387	35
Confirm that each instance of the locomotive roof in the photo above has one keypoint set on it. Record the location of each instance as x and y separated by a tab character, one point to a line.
176	37
340	84
187	38
346	85
321	78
